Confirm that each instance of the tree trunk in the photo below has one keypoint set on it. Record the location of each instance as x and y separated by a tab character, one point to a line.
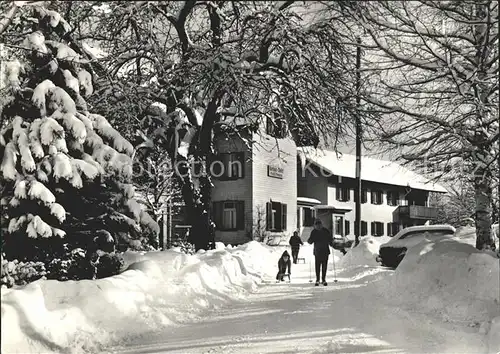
482	177
199	234
483	195
197	201
202	234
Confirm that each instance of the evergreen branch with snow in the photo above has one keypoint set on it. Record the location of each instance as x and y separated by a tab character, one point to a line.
62	167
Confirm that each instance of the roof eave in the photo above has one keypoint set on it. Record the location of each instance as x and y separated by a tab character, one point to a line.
439	188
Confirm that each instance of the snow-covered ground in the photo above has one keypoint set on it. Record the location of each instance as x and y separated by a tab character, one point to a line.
442	298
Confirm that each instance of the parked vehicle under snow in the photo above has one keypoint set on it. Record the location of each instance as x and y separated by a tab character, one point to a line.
392	252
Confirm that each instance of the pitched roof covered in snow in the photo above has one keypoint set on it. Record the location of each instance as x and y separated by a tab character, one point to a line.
372	170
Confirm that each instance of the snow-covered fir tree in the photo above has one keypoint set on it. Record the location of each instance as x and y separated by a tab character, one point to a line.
65	173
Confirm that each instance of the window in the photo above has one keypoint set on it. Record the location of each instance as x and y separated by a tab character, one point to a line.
364	228
228	166
393	198
276	216
343	194
392	228
377	197
347	227
308	216
377	228
229	215
339	225
276	127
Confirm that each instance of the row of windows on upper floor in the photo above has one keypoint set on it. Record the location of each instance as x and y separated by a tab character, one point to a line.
343	194
228	166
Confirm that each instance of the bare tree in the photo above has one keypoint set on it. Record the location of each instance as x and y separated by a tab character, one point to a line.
156	184
457	207
205	62
432	68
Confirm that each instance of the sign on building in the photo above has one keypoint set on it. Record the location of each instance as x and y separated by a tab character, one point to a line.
275	171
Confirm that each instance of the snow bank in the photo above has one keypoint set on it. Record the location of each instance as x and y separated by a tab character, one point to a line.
364	254
158	289
449	279
493	338
467	234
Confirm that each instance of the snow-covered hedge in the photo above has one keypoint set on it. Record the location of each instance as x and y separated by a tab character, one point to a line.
20	273
158	289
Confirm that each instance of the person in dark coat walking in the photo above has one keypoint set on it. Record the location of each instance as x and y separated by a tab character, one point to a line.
284	263
295	243
322	239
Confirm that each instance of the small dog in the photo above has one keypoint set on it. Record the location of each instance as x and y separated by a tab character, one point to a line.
284	263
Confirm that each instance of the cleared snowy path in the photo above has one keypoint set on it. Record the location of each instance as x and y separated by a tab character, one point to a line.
300	318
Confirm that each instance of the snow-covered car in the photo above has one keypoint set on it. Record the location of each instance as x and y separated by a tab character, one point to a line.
391	253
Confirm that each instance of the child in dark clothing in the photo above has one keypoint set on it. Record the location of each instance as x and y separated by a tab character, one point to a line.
284	263
295	242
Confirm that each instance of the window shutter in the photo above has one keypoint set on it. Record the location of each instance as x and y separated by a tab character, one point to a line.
364	196
389	229
347	226
374	196
269	126
338	193
364	227
224	158
283	217
217	210
269	212
240	215
241	159
217	168
373	230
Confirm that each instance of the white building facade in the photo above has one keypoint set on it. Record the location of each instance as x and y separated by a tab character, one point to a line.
278	188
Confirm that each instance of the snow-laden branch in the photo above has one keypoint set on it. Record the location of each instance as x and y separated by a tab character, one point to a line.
179	22
8	17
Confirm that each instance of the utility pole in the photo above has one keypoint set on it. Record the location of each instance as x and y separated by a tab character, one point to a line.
357	191
170	211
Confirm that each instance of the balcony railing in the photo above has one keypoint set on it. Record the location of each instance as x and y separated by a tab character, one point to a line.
417	212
